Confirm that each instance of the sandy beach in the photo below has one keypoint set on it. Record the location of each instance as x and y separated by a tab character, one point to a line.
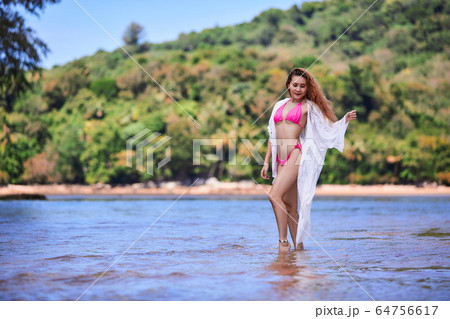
214	187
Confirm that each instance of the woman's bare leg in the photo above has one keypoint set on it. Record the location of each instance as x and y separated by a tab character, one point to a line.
290	199
286	178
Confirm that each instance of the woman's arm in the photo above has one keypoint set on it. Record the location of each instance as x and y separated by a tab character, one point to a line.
266	164
268	153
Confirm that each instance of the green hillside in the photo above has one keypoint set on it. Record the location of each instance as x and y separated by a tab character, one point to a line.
392	66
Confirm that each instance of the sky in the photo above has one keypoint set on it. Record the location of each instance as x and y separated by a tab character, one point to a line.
70	33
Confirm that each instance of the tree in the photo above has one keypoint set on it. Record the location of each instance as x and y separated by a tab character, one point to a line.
106	87
19	49
133	34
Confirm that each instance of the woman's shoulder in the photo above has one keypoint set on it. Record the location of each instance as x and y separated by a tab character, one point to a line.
312	104
280	102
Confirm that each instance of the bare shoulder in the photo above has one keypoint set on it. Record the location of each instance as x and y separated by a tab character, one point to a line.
283	100
280	102
311	106
305	107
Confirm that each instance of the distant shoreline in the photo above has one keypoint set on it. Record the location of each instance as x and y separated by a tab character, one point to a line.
220	188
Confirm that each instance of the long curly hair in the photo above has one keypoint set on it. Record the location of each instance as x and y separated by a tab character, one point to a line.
314	92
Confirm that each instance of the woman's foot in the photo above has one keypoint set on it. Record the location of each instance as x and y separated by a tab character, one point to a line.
299	246
284	245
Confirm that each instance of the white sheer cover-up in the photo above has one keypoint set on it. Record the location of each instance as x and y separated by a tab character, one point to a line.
316	138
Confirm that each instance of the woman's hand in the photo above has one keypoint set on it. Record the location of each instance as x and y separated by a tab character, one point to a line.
264	170
350	116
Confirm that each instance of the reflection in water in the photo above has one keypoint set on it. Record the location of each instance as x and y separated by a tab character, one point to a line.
287	266
298	279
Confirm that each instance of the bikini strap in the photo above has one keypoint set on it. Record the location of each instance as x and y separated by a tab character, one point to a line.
287	102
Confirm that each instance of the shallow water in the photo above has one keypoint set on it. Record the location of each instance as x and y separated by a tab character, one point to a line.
222	248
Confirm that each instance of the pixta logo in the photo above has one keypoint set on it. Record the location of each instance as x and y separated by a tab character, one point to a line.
310	151
149	144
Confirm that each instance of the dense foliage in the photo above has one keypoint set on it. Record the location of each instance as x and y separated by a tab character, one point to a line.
392	66
19	48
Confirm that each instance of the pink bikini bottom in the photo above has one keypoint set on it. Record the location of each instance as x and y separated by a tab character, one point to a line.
282	162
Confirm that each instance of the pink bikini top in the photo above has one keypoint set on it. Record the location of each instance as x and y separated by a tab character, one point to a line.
294	115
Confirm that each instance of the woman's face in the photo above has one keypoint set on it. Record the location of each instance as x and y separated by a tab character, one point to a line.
298	88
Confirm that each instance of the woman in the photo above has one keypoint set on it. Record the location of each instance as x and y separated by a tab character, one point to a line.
301	129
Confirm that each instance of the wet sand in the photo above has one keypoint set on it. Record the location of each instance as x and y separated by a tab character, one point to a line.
220	188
